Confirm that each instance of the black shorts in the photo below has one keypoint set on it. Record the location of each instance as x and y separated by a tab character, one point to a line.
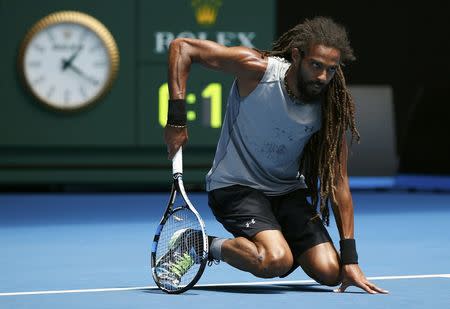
245	211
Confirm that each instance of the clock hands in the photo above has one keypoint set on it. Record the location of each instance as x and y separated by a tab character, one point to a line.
83	75
68	63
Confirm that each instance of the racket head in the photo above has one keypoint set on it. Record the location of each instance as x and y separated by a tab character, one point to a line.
180	247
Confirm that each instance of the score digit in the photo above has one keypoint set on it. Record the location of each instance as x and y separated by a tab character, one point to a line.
213	93
163	104
211	104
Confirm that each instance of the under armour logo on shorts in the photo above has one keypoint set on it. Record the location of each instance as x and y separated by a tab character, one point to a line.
247	224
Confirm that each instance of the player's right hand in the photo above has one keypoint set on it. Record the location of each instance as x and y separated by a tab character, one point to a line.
174	138
353	275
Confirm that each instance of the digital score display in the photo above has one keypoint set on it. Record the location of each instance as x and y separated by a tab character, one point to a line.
210	101
227	22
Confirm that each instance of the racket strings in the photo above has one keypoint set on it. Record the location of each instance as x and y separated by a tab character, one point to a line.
180	250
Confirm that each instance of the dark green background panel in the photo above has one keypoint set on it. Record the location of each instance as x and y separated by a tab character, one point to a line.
119	140
26	122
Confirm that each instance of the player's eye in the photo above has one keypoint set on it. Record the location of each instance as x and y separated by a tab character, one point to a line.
316	65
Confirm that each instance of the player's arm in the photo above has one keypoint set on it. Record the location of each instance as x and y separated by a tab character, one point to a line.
247	65
342	205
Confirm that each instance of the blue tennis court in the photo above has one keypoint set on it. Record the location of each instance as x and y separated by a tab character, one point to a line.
93	251
96	95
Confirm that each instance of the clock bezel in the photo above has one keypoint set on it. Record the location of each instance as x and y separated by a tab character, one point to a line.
94	25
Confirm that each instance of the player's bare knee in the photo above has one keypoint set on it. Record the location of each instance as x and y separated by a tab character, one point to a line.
330	275
331	280
274	264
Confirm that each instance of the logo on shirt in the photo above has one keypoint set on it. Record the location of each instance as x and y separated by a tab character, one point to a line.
309	129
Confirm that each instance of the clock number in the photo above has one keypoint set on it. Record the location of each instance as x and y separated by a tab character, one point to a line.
67	95
38	80
211	104
100	64
95	47
34	64
38	47
50	36
83	92
83	35
50	92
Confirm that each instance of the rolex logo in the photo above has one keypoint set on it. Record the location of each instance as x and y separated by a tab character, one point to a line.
67	34
206	11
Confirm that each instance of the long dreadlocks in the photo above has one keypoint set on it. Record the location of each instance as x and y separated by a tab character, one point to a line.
323	152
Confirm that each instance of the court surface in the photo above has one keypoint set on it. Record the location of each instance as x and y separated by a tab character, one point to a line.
93	251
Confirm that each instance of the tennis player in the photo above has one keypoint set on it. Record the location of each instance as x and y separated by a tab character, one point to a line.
284	133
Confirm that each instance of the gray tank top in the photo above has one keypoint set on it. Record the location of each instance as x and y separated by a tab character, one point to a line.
263	136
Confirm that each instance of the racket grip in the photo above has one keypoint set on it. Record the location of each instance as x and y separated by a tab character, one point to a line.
177	162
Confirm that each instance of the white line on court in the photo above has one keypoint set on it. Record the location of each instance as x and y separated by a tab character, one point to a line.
260	283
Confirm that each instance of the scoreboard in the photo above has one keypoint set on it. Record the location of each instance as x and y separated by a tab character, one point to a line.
228	22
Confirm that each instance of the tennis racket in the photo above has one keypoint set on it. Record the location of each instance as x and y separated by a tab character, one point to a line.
180	246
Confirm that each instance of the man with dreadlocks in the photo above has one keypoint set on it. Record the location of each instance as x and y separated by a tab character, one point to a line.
284	132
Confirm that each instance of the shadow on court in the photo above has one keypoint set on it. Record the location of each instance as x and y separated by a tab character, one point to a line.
257	289
272	289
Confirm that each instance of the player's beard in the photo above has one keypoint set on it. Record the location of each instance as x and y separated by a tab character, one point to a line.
310	90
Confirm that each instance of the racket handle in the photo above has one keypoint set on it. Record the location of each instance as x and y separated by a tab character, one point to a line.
177	162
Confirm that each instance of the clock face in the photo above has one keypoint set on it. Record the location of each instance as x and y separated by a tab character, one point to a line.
68	64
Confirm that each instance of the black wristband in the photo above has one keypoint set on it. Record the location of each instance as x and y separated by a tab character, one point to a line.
176	115
348	251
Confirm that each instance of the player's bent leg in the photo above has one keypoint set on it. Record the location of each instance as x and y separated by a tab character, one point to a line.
321	263
266	255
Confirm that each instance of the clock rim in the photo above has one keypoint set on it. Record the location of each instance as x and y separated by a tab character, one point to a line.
83	19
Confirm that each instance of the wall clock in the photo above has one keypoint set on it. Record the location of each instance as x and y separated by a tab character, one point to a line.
68	60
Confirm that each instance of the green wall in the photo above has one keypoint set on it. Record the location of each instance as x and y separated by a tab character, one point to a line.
118	140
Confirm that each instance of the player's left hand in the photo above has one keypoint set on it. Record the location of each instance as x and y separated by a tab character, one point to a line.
353	275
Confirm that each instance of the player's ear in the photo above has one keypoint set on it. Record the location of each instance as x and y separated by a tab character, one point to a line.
295	54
